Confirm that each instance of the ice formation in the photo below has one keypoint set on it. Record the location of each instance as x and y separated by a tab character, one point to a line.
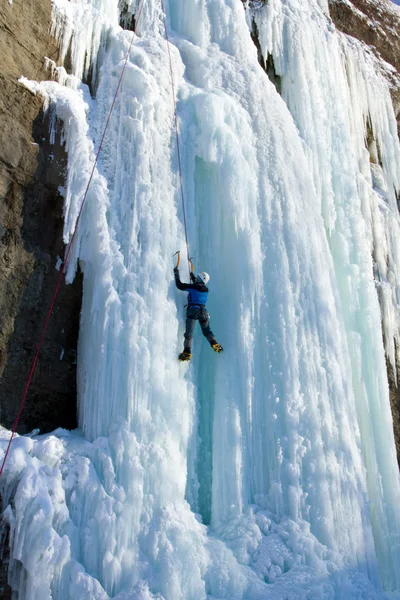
269	471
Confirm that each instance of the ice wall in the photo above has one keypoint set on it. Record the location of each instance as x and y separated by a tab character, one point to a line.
358	203
269	470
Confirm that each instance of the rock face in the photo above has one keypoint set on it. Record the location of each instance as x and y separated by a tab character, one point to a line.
377	24
31	224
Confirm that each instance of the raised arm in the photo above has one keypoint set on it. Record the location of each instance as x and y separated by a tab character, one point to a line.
183	286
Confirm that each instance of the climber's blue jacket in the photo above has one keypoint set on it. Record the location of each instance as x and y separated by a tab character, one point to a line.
198	291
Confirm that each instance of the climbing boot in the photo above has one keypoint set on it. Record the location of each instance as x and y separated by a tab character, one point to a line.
185	355
217	347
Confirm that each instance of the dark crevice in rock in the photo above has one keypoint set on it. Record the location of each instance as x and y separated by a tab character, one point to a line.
271	72
372	144
67	63
268	65
127	19
255	38
88	79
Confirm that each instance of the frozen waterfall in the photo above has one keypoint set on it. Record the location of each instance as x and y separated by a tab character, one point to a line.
268	471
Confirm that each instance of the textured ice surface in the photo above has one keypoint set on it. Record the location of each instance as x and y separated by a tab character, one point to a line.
269	470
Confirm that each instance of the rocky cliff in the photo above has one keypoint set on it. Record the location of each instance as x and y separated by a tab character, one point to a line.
377	24
31	238
31	223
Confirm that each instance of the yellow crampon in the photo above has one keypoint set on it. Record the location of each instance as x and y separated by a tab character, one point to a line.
217	347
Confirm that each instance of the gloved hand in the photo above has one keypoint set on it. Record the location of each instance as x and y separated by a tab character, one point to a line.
193	277
176	271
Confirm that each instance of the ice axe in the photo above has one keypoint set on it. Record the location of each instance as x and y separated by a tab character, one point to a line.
178	252
178	261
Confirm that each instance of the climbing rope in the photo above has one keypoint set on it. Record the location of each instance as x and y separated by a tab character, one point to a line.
177	136
28	383
69	247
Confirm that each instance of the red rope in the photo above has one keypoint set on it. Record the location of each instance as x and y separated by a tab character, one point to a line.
28	383
177	134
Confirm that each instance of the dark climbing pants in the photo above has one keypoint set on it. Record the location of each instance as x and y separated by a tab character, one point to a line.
201	315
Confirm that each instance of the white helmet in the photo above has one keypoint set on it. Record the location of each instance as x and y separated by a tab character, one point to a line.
205	278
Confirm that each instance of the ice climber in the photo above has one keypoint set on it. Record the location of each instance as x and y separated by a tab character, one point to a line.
196	311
